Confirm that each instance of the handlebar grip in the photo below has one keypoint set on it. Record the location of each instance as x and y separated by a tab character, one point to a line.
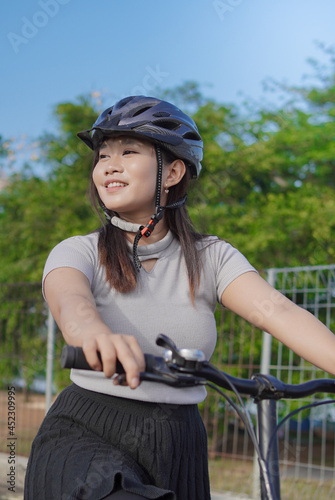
74	357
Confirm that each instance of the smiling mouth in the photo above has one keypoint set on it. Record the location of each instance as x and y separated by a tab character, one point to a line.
115	184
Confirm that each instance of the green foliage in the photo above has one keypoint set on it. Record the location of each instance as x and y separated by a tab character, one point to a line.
284	229
22	333
36	213
268	182
23	338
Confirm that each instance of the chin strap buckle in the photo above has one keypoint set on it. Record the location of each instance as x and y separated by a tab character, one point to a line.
148	229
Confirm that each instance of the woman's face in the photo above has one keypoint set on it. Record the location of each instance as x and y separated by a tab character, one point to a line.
125	177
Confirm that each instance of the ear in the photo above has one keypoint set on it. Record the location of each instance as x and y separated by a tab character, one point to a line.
174	172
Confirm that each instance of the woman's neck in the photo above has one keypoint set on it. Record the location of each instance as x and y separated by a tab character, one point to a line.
131	228
158	234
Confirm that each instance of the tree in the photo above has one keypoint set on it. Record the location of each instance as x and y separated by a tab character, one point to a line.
38	212
270	179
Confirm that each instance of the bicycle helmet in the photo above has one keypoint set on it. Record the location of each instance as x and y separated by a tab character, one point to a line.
160	122
157	120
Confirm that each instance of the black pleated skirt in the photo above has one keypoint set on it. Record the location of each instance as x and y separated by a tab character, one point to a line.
89	442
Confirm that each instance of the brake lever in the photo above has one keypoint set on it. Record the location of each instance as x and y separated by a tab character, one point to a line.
173	380
188	360
168	375
176	368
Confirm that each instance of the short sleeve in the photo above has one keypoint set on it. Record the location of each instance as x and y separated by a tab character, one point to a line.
78	252
228	264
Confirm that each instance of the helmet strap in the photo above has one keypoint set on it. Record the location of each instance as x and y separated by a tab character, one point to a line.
147	230
125	225
159	177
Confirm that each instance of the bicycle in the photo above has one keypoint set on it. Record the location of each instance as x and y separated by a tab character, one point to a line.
188	367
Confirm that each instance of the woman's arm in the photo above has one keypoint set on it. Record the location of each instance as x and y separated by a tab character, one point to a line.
255	300
73	306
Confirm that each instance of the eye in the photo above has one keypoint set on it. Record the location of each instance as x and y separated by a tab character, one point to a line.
129	152
102	156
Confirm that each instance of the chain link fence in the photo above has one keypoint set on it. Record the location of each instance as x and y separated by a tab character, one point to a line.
306	441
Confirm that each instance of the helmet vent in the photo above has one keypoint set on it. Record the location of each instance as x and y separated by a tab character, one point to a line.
141	110
191	135
167	124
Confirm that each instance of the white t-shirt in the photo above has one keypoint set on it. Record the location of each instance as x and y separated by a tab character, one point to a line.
160	304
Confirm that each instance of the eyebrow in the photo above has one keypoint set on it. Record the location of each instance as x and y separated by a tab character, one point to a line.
130	140
125	140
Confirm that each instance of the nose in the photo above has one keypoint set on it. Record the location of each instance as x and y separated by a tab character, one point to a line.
113	165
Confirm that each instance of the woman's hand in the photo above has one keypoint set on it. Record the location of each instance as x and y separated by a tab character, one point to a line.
72	304
111	347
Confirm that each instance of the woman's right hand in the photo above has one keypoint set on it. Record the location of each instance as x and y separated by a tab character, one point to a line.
72	304
112	347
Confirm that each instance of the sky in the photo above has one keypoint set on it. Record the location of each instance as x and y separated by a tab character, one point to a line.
53	51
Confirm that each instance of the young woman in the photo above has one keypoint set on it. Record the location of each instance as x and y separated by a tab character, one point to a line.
145	272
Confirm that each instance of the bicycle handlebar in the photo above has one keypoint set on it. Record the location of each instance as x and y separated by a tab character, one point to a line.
185	368
74	357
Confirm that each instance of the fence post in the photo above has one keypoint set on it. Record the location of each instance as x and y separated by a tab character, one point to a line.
265	368
267	339
50	360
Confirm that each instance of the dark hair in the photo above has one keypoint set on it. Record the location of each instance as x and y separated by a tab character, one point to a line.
113	249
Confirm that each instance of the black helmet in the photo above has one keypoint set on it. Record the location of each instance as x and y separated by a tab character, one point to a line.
157	120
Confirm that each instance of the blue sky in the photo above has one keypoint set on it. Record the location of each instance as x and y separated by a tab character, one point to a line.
55	50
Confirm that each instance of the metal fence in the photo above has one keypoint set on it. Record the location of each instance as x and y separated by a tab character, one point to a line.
310	450
306	442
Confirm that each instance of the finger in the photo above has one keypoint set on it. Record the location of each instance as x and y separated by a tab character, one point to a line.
138	353
108	354
131	357
90	351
